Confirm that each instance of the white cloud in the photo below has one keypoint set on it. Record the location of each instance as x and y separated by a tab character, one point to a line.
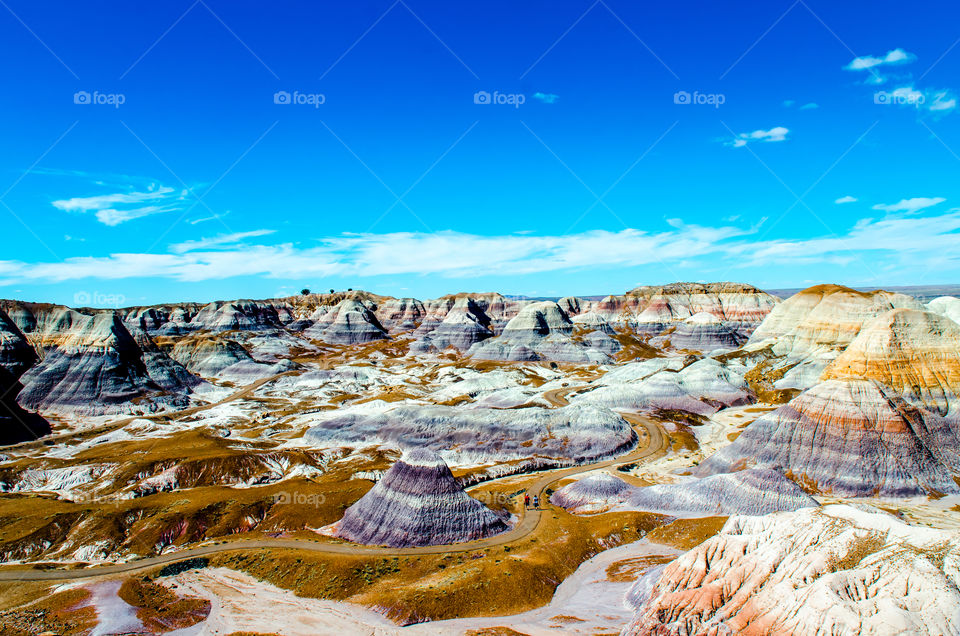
774	134
941	102
913	238
910	206
546	98
894	57
113	209
222	239
846	199
810	106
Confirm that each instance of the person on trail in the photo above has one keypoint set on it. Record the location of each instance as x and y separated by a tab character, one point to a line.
526	501
536	501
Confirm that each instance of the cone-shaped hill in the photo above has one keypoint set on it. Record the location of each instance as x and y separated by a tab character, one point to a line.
417	503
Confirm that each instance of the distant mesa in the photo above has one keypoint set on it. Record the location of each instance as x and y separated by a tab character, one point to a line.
749	492
418	502
852	438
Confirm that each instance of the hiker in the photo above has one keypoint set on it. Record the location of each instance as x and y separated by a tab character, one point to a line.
536	501
526	501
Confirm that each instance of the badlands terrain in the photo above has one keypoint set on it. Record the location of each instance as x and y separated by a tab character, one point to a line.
680	459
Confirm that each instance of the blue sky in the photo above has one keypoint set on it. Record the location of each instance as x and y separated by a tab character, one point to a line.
614	144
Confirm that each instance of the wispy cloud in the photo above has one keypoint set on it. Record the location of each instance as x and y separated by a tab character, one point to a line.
810	106
546	98
894	57
211	217
116	208
846	199
911	237
910	206
774	134
216	241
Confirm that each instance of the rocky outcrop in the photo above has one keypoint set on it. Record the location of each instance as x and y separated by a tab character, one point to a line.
850	438
916	353
93	366
748	492
400	314
810	329
350	322
169	374
208	356
418	502
464	326
831	570
16	356
480	435
702	331
541	331
239	315
703	387
215	356
740	307
948	306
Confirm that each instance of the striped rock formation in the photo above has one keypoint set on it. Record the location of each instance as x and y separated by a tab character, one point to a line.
243	315
93	366
810	329
916	353
400	314
16	356
216	356
748	492
702	331
850	438
541	331
703	387
480	435
464	326
831	570
418	502
740	307
350	322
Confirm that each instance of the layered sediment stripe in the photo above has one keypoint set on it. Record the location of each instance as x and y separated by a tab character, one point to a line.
417	503
850	438
916	353
752	492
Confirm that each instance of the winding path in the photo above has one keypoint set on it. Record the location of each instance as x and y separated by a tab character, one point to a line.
528	524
